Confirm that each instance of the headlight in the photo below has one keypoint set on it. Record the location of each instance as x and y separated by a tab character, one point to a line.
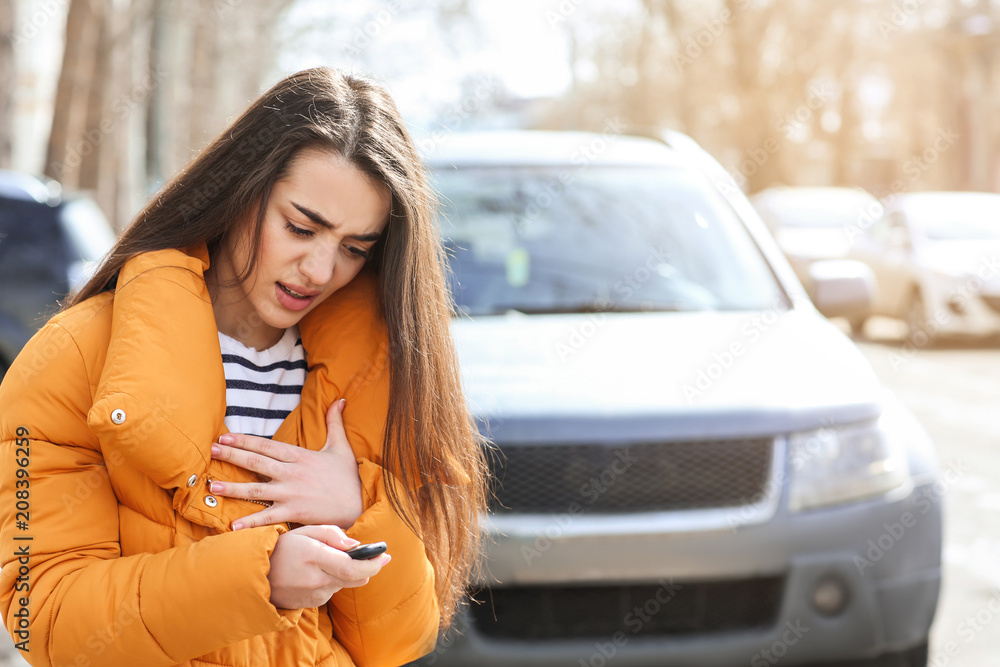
844	463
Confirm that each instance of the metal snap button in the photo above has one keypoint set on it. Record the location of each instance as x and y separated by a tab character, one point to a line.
192	480
118	416
211	501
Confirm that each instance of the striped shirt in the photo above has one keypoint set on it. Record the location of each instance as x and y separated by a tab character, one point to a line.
262	386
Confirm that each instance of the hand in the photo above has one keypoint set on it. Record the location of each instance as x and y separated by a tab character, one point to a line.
308	565
306	487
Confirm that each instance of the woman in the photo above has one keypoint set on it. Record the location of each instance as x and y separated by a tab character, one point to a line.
133	530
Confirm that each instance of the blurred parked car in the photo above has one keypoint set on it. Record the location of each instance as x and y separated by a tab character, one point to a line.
694	467
48	246
936	260
813	224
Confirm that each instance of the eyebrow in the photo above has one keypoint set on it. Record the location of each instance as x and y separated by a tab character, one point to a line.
320	220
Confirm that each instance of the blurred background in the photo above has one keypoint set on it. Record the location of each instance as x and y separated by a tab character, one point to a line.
112	97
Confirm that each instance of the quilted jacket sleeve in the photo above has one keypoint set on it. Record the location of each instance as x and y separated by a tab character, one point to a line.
67	595
394	618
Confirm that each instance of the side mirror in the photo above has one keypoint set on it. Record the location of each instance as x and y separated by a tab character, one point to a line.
841	287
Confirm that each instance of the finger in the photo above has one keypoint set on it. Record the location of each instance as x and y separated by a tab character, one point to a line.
266	517
246	491
351	573
252	461
329	535
360	571
336	435
279	451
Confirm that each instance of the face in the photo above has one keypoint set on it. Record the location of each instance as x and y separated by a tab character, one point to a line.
321	222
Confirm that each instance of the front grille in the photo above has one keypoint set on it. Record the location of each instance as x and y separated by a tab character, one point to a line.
645	610
642	477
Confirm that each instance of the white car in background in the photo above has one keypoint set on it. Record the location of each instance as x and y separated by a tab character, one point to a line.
814	224
936	260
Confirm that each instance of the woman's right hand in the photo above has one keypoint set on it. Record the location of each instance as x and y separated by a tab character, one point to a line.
308	565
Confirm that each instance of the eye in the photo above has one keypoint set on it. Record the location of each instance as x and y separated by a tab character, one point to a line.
357	252
298	231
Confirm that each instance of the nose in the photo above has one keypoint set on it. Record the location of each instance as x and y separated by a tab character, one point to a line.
319	264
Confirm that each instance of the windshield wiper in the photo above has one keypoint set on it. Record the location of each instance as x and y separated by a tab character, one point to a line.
589	307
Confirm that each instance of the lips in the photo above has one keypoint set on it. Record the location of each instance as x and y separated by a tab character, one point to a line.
294	297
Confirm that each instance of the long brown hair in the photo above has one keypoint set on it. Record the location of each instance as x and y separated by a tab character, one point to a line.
431	442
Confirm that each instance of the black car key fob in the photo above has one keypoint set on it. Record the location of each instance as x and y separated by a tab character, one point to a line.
367	551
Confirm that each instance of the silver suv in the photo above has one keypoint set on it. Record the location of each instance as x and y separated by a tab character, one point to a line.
693	467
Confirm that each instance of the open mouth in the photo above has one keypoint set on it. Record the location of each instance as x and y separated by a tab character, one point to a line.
292	299
293	292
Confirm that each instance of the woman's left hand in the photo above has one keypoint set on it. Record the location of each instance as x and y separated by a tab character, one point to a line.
307	487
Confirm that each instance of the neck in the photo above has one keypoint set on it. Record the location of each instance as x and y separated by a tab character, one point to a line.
234	315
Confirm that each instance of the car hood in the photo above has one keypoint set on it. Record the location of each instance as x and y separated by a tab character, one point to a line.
704	374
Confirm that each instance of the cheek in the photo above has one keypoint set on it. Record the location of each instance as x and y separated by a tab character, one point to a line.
346	270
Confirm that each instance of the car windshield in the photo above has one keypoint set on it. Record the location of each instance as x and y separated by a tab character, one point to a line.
550	240
959	218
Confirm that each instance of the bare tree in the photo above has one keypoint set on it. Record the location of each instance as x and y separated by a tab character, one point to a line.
66	146
7	78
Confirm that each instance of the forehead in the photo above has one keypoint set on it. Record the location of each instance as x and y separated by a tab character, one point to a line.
328	184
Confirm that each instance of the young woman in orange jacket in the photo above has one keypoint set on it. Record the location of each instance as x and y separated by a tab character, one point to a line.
137	529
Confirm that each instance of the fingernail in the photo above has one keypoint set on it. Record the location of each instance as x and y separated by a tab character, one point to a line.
343	402
216	487
227	439
387	559
237	525
351	542
215	450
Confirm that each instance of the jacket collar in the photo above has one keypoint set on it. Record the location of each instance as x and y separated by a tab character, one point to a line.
161	398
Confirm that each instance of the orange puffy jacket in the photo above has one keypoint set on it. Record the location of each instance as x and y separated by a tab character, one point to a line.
112	550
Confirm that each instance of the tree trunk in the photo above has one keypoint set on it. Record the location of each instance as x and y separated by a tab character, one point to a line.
7	79
67	144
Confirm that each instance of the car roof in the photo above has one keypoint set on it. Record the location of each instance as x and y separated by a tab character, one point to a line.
541	148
